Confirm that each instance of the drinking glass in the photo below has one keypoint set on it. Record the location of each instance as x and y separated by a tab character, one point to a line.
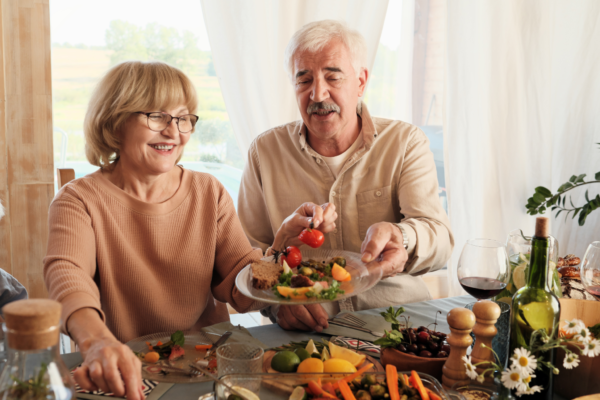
240	358
483	269
519	248
590	270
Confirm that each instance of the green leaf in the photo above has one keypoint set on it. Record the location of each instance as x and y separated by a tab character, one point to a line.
543	191
586	195
552	200
582	217
580	178
595	330
559	211
178	338
597	176
573	178
571	201
539	198
563	200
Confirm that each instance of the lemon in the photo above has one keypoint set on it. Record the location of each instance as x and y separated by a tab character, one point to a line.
285	361
519	276
346	354
338	365
310	366
302	354
245	392
311	348
325	354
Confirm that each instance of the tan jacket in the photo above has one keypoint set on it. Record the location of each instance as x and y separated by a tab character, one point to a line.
392	178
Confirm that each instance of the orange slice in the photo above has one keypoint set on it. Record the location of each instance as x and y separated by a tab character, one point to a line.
293	293
340	274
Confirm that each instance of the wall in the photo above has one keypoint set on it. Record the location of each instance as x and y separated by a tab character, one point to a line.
26	156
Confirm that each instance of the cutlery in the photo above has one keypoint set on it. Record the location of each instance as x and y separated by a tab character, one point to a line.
340	323
352	319
219	342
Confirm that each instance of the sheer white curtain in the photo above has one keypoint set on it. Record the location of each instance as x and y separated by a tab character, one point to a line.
247	40
523	88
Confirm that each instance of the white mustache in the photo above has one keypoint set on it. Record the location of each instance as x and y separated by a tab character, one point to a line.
314	107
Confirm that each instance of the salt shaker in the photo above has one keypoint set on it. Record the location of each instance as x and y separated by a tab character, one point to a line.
461	321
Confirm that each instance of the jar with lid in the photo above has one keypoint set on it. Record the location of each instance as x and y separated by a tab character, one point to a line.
34	369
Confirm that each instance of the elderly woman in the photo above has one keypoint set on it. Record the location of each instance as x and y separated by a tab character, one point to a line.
142	245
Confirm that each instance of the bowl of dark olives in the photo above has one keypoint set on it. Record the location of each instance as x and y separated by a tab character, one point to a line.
421	349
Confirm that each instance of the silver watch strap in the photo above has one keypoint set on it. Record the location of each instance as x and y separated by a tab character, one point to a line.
404	236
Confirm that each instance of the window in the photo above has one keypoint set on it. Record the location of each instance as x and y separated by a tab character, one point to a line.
88	38
413	91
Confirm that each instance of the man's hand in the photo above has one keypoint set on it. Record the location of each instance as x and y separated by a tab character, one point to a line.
383	245
111	366
323	218
311	317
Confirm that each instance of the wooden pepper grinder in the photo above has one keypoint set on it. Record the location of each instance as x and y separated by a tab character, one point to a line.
461	322
486	314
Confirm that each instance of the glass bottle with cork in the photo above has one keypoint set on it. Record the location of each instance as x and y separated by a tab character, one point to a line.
535	307
34	369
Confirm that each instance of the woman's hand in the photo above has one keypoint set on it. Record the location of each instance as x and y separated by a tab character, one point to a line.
322	216
108	364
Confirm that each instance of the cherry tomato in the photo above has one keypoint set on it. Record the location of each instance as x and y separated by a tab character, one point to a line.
312	237
292	256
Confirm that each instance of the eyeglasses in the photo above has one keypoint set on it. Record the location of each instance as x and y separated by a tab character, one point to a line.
158	121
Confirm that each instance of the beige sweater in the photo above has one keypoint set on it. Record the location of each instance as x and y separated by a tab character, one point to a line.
146	268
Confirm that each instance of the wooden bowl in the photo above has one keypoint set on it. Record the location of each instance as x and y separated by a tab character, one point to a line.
408	362
587	373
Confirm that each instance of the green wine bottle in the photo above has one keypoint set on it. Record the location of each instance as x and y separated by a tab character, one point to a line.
535	307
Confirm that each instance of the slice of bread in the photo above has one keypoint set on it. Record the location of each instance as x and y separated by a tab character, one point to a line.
265	274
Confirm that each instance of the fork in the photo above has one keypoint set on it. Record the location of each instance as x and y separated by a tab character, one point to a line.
352	319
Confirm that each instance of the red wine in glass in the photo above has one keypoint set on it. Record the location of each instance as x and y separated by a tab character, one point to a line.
482	288
594	291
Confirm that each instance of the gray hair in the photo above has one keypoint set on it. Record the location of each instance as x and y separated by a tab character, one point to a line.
316	35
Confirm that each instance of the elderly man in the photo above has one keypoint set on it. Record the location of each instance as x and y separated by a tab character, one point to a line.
369	183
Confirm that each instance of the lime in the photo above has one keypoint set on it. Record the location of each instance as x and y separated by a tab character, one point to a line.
311	348
519	276
302	354
244	392
299	393
538	315
285	361
325	354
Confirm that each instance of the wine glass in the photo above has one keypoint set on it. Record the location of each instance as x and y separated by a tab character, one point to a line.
590	270
483	268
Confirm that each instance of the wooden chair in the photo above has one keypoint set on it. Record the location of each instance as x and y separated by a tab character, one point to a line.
64	176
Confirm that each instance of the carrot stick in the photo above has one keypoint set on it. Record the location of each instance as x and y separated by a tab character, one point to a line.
317	390
349	378
419	385
203	346
407	380
432	395
346	392
391	374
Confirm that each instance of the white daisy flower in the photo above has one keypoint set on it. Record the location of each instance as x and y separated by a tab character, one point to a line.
573	327
524	361
471	372
571	361
529	390
592	348
481	378
512	379
583	335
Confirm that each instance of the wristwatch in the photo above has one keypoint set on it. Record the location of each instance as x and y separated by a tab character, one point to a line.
404	236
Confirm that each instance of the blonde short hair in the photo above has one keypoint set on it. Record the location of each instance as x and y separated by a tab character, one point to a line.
315	36
127	88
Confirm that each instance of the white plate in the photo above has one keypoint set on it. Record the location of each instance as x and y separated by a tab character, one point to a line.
363	278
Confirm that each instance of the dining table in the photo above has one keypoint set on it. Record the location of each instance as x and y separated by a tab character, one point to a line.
420	313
